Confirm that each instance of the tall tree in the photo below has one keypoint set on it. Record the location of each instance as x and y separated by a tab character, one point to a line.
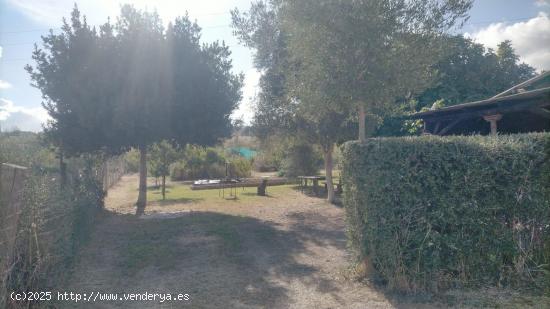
71	72
290	93
143	74
260	29
134	84
68	77
365	47
205	90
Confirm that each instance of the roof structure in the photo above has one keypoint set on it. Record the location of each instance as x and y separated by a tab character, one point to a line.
522	108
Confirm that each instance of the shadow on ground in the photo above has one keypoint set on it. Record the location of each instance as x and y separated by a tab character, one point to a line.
221	261
177	201
320	194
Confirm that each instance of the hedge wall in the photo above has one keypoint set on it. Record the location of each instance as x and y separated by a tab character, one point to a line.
430	213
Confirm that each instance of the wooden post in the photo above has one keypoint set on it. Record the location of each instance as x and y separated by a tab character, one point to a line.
262	187
493	119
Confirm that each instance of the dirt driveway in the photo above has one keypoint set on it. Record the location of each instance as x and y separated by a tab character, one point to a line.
286	251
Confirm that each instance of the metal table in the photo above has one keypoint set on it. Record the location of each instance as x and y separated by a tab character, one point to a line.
314	180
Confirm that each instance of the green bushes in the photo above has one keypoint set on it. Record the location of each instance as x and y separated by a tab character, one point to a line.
132	160
269	159
208	163
301	159
431	213
54	222
25	148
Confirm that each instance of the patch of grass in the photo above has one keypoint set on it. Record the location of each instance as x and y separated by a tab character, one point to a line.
152	244
183	193
228	235
155	243
141	254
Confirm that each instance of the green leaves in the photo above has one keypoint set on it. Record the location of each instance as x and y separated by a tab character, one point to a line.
134	83
439	212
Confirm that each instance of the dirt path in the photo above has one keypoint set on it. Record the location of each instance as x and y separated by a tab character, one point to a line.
284	252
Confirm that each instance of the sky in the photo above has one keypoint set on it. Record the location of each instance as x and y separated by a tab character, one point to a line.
525	22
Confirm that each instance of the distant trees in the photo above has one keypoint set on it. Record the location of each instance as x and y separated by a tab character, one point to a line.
132	84
467	72
470	72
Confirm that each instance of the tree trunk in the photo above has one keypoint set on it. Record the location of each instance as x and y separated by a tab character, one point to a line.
163	187
142	197
62	170
328	173
362	130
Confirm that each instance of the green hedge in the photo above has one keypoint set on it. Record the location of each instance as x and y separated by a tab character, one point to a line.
431	213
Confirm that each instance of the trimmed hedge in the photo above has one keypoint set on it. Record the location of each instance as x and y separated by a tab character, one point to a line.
430	213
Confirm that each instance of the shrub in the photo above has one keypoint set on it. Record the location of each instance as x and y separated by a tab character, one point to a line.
53	225
301	159
26	148
132	161
240	167
266	162
431	213
208	163
271	154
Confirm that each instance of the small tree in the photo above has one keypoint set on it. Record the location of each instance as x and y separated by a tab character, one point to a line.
162	155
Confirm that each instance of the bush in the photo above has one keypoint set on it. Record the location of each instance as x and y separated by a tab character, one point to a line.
208	163
53	225
132	161
301	159
26	148
431	213
266	162
270	156
240	167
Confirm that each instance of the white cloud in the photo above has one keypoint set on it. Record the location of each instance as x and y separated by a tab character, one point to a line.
250	90
542	3
24	118
4	84
531	39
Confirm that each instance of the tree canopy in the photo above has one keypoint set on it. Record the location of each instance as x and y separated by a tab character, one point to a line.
291	101
470	72
134	83
360	51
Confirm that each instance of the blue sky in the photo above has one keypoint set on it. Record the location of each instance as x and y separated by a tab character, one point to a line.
22	22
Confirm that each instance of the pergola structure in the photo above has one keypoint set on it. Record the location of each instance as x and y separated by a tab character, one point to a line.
522	108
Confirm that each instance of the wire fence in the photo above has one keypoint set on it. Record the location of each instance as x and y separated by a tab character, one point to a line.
45	218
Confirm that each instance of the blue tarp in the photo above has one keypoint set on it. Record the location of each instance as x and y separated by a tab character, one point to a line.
245	152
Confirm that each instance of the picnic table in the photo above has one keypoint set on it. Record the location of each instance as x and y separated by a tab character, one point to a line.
314	181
